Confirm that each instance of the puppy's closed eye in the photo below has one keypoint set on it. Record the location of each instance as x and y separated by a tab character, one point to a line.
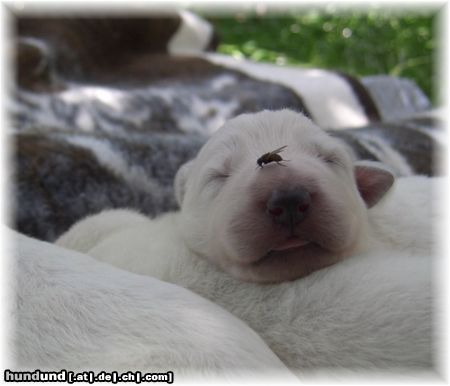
214	175
331	155
331	159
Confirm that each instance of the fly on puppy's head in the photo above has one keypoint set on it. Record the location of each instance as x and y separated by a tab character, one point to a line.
271	156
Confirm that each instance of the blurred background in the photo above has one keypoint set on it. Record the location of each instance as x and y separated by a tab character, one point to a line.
109	104
373	40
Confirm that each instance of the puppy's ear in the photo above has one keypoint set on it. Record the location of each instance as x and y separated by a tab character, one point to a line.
180	181
373	180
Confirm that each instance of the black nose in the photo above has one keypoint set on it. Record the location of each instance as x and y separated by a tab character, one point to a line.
288	207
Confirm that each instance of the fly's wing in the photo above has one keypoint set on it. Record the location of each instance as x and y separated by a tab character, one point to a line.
278	150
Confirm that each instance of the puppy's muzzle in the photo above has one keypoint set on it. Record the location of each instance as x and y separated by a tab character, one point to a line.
289	207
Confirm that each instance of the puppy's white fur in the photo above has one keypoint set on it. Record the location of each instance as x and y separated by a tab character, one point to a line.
72	312
372	310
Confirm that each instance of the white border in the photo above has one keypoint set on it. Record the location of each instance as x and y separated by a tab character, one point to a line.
217	7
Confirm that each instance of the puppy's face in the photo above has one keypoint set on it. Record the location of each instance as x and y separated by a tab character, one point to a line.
282	221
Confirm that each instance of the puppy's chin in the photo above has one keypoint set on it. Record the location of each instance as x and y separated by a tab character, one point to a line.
272	259
287	264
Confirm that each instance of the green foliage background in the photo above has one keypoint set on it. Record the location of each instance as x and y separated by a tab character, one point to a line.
359	42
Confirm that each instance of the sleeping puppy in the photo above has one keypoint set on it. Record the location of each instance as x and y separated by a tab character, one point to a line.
265	221
283	220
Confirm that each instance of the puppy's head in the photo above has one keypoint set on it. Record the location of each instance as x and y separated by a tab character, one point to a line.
282	221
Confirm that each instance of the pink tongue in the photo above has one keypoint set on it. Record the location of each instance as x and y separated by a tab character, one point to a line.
291	243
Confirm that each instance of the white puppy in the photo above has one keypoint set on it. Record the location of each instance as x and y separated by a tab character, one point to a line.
282	222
